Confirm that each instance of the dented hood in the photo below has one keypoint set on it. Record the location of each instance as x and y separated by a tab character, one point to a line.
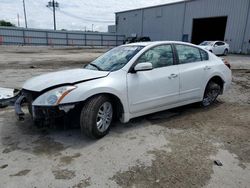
69	77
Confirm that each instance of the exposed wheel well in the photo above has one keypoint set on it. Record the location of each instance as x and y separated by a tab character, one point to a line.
117	104
218	80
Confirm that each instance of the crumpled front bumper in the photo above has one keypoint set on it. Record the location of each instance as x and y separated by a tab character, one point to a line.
18	107
43	113
39	113
15	101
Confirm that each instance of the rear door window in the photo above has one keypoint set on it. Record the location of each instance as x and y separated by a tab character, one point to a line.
204	55
188	54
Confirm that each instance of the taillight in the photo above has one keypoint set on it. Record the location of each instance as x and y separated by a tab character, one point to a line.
226	63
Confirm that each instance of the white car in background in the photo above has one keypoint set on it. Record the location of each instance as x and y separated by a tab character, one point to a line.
216	47
126	82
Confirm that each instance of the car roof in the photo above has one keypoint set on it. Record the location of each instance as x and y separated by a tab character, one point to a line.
212	41
156	43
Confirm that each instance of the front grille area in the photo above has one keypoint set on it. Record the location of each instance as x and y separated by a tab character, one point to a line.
45	113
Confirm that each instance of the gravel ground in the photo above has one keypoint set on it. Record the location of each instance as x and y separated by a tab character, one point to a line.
174	148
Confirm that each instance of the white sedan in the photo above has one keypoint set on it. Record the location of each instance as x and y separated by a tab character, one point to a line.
126	82
216	47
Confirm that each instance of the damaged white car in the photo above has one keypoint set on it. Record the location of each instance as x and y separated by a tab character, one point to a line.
126	82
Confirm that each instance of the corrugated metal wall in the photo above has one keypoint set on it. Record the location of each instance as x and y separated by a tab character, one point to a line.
235	10
20	36
164	23
246	42
171	22
129	22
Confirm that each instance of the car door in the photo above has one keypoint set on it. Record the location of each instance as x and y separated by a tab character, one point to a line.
219	48
192	72
222	47
157	87
216	48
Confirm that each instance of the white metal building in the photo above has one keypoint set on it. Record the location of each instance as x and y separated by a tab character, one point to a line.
191	21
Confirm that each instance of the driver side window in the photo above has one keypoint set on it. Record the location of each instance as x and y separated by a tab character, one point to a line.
160	56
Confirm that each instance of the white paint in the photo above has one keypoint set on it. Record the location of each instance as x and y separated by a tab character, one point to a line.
140	93
6	93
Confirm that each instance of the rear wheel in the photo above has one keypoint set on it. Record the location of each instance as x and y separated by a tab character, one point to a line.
211	93
96	116
225	52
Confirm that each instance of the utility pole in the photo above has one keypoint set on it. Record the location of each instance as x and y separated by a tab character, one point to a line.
92	27
18	21
25	17
54	5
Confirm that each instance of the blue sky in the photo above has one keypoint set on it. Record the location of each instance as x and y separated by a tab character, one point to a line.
72	14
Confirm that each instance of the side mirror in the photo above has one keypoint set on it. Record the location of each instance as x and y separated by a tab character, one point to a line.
143	66
215	45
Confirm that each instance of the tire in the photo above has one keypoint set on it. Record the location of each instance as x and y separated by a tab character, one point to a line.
212	91
96	117
225	52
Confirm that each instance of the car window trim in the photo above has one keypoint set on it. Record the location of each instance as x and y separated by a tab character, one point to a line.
131	69
201	55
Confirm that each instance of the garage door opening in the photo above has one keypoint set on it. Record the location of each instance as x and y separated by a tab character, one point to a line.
205	29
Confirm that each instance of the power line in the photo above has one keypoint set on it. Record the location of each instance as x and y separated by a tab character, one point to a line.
84	19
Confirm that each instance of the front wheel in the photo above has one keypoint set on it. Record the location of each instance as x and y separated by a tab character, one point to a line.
211	93
96	117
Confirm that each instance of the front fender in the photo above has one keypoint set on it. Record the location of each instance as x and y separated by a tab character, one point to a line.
109	85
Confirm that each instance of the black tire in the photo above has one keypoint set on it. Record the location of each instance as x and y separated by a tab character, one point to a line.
89	115
212	91
225	52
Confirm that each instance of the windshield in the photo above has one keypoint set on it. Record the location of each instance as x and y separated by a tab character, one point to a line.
206	43
114	59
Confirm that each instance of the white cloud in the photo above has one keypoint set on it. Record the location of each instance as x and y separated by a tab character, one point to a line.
72	14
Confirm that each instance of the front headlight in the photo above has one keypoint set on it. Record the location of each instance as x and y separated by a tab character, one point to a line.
53	97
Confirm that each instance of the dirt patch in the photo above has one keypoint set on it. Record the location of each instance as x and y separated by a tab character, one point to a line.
171	169
64	174
201	130
66	160
47	146
225	123
4	166
11	147
83	183
242	78
21	173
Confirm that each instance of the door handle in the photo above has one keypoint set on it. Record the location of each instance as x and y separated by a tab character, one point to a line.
173	76
207	68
